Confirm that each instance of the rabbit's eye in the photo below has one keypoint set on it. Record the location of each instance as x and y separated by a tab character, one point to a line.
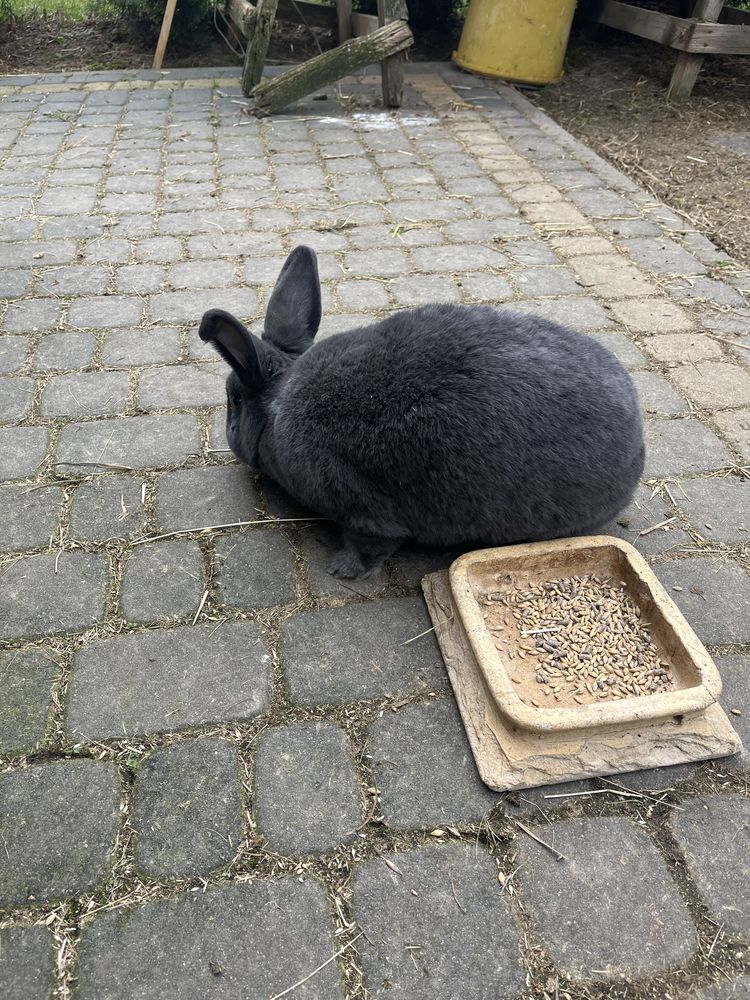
234	400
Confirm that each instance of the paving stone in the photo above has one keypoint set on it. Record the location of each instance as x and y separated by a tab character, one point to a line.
69	201
679	447
106	312
32	315
579	312
714	384
85	394
663	256
159	249
306	789
657	395
13	351
58	823
445	900
140	278
363	295
388	263
622	348
338	655
546	281
182	385
483	287
132	348
29	517
44	594
421	289
64	351
202	274
136	442
715	596
594	925
14	283
721	502
319	542
682	347
610	276
714	833
189	306
108	507
255	569
268	933
157	681
110	251
16	395
74	279
457	258
424	768
736	428
22	451
192	498
643	513
26	682
188	809
162	580
650	315
27	964
735	698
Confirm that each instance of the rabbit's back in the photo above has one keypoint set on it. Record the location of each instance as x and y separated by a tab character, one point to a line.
456	424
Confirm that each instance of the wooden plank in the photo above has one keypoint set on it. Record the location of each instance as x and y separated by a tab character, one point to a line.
723	39
688	66
344	18
166	27
314	15
277	93
257	45
242	15
363	24
652	24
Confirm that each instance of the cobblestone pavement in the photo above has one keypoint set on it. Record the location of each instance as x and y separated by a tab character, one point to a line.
220	766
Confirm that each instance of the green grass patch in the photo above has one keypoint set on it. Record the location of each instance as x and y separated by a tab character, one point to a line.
74	9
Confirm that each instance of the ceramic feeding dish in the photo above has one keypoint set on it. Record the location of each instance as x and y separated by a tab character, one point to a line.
569	659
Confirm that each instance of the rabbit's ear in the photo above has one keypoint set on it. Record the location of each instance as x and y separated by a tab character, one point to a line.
293	314
235	344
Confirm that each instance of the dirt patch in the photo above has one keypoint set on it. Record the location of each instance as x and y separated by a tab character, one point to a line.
694	156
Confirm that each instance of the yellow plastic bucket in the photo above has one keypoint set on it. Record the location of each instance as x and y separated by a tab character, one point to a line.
519	40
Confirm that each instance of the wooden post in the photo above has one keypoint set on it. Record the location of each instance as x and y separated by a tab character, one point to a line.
280	91
688	64
392	69
166	27
344	15
257	44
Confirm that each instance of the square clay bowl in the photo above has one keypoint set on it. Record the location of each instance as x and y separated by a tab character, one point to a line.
696	681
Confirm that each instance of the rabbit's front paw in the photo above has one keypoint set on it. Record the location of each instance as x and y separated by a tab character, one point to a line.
349	565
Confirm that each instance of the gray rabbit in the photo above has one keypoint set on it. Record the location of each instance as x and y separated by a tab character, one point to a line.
445	424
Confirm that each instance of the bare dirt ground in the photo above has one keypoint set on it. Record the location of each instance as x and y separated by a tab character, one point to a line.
694	156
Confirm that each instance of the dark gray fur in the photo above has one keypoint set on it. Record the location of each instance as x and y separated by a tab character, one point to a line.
449	425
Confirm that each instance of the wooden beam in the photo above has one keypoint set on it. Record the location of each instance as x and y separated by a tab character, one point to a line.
277	93
257	44
721	39
242	15
315	15
652	24
344	18
166	27
688	66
